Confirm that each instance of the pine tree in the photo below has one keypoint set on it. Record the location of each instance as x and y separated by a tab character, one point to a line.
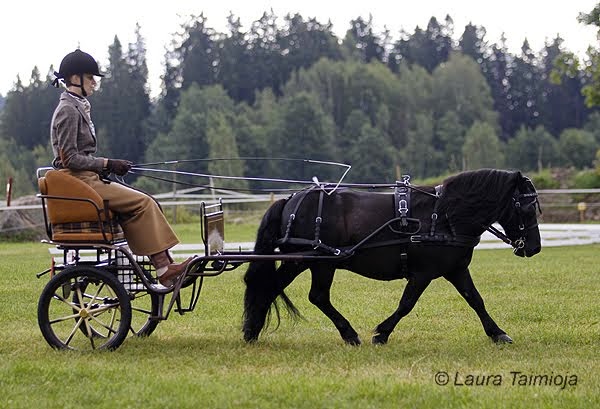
472	43
198	54
362	42
234	62
122	105
524	79
427	48
563	104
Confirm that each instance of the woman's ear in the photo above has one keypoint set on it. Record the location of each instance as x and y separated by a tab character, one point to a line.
74	79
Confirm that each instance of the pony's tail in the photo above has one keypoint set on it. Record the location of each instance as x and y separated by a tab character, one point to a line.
262	284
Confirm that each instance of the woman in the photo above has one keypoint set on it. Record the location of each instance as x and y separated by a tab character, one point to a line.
73	139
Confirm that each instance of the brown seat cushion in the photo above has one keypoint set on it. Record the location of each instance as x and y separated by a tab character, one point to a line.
87	231
77	213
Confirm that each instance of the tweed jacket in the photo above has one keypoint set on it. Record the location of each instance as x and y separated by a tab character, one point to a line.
73	136
74	143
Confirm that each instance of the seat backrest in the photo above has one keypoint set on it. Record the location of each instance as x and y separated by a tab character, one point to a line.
57	183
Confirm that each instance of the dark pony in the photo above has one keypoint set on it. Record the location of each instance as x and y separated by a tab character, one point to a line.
362	231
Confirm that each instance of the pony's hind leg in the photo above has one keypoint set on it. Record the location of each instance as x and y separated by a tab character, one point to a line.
319	295
463	283
413	290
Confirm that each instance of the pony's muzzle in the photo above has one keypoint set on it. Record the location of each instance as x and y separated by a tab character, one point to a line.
527	252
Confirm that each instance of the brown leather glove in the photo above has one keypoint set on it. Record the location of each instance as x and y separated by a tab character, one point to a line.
119	167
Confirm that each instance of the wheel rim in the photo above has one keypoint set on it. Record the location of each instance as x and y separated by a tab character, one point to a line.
144	306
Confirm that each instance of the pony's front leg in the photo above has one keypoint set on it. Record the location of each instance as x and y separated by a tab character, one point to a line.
413	290
463	283
261	292
319	295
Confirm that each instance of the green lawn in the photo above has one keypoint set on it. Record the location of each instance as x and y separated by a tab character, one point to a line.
548	304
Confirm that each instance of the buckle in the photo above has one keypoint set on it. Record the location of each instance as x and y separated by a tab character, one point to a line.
403	208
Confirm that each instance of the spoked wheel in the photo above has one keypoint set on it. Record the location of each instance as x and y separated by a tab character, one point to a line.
144	310
84	308
144	306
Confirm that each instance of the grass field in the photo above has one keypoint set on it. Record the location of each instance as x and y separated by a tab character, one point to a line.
548	304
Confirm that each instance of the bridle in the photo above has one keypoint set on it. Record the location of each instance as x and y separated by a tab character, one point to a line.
520	242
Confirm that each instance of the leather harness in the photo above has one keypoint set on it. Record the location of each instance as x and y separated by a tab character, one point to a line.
402	219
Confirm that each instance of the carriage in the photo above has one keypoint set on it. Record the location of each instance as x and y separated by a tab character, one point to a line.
99	292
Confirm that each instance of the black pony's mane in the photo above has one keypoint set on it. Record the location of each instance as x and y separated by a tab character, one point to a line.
475	195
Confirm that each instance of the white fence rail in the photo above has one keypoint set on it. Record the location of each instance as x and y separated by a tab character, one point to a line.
185	197
553	235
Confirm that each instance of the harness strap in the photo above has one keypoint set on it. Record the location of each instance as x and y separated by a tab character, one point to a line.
434	215
447	240
404	261
402	202
316	242
402	213
404	243
319	219
402	207
499	234
292	217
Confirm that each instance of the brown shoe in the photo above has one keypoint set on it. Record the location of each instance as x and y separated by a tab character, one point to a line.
174	271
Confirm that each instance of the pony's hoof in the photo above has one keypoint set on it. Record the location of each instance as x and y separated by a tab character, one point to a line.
379	339
502	339
354	341
250	338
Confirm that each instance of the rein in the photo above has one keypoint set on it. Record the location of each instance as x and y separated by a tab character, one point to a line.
401	198
328	187
517	244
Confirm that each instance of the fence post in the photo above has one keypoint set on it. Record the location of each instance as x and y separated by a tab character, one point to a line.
581	206
175	192
9	190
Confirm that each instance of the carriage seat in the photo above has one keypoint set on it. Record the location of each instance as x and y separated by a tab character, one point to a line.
74	212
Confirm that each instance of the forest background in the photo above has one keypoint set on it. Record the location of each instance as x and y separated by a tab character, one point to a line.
428	103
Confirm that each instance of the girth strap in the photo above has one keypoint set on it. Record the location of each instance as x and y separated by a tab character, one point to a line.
434	215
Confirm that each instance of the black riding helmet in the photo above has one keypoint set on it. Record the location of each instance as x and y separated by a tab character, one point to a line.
77	62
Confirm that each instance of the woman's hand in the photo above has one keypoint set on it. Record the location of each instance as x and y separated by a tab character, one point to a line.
119	167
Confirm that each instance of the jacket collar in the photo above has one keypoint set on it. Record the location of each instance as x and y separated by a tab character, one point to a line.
66	97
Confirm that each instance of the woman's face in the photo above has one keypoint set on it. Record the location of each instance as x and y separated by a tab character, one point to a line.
89	82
